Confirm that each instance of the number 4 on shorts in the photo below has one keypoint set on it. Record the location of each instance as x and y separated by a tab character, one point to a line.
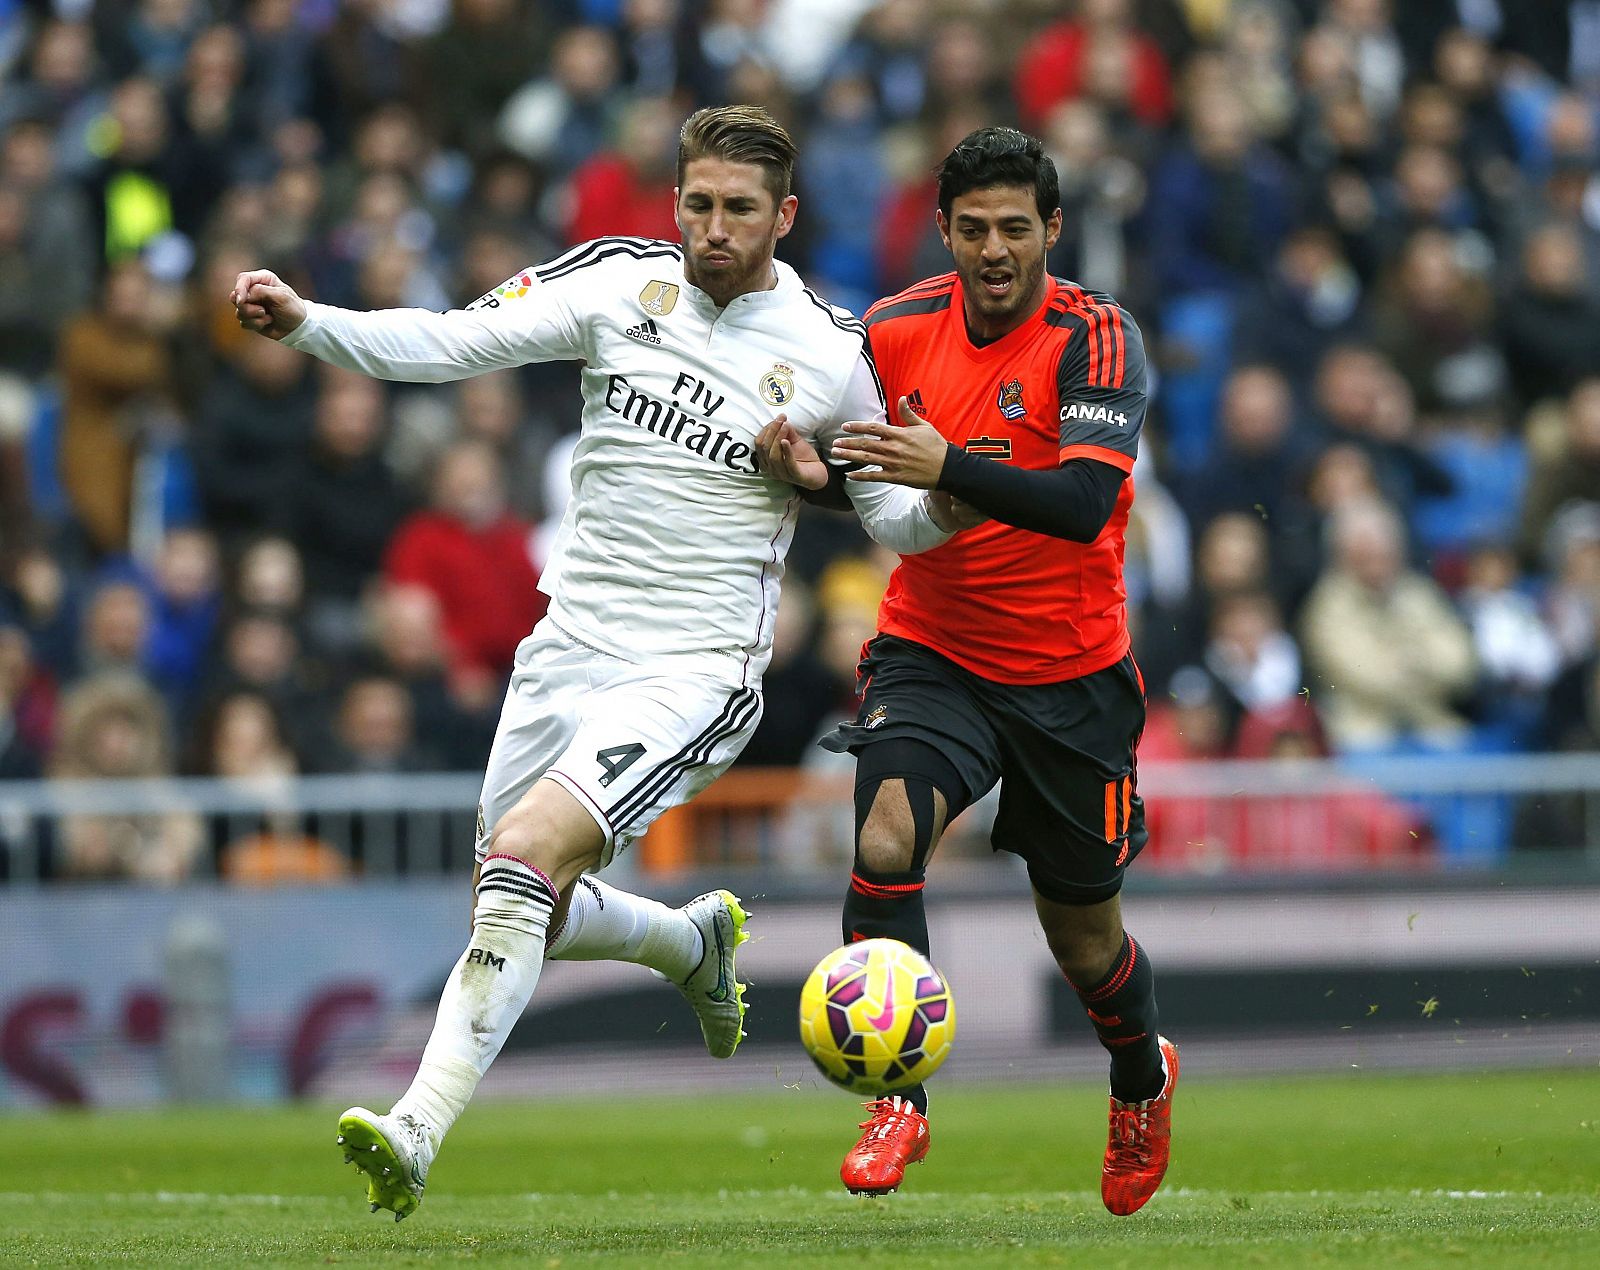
617	760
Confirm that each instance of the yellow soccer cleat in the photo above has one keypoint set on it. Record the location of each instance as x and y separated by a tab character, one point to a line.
394	1152
713	991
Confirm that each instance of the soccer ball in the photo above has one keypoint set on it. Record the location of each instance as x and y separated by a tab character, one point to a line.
875	1016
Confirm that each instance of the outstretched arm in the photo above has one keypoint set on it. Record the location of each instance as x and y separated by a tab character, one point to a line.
416	345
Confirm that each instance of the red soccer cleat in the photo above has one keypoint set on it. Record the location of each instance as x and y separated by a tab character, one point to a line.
1139	1144
896	1135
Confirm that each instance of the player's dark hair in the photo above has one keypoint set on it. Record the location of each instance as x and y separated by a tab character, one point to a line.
999	156
740	134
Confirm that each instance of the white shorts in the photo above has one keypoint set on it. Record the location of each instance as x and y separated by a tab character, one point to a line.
629	740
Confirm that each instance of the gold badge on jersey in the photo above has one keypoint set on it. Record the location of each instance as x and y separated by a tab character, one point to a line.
658	297
777	385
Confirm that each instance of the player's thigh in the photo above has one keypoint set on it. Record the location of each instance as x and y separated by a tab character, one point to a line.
540	714
650	740
920	722
1069	803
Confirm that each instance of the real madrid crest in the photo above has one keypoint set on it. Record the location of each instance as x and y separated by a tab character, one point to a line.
658	297
777	385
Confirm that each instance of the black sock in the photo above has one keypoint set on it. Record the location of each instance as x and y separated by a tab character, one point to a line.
1122	1007
889	906
886	906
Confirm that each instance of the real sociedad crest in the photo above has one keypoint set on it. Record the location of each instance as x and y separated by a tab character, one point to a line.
1010	400
658	297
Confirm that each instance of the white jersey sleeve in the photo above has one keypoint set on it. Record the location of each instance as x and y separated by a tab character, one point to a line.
420	346
895	516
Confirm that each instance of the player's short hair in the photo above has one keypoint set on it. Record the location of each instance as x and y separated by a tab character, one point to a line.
740	134
999	156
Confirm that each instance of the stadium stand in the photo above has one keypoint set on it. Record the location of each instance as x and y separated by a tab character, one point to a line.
1363	240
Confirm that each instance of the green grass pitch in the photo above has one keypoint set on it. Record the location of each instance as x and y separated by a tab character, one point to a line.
1497	1170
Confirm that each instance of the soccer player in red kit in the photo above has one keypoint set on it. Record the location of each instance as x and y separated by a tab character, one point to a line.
1004	654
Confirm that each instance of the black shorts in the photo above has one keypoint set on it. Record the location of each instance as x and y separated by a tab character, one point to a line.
1069	805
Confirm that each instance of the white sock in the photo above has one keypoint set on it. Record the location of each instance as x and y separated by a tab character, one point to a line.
605	924
485	993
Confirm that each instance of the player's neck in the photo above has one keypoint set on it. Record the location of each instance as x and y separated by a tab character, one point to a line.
982	330
764	278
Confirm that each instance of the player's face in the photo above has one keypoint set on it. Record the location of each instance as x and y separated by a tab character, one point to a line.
999	244
730	224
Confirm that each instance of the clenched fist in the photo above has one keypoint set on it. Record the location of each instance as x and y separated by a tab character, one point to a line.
266	304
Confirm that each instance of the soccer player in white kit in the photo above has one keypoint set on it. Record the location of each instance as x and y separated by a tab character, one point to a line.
643	682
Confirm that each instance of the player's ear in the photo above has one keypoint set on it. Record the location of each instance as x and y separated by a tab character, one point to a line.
944	227
1052	229
786	213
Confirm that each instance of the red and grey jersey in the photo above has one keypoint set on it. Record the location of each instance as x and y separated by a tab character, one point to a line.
1100	380
1069	383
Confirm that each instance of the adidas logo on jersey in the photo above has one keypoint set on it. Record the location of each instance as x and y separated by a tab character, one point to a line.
645	332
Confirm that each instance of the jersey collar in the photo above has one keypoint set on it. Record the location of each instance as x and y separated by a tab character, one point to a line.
787	289
1007	343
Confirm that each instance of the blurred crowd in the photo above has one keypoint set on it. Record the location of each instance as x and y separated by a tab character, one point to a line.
1362	237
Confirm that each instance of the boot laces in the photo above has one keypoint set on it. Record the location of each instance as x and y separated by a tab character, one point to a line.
1130	1123
889	1115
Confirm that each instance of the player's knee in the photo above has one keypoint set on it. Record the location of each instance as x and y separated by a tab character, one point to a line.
885	848
516	836
1084	953
1085	939
550	830
1081	964
898	823
525	835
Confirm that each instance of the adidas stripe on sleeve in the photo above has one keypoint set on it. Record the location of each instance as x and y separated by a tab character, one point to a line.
536	315
1100	382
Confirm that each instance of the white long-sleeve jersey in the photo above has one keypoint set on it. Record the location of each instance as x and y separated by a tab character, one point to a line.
673	544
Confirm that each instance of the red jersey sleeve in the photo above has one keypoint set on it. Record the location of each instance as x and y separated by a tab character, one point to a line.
1100	382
